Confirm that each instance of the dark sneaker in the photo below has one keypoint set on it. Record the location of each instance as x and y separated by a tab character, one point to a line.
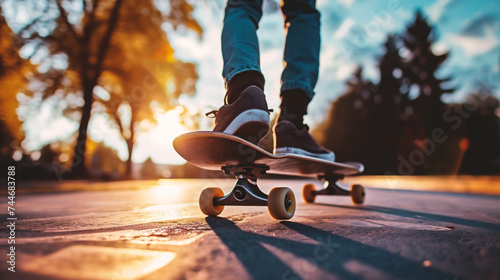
289	140
247	117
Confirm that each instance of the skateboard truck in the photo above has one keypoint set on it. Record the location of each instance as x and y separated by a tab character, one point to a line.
245	190
252	172
280	201
332	187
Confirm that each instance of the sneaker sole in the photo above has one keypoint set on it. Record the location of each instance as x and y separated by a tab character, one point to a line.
251	125
298	151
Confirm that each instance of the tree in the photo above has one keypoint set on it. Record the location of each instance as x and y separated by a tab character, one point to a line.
13	76
389	110
419	71
482	142
349	122
88	46
423	90
135	74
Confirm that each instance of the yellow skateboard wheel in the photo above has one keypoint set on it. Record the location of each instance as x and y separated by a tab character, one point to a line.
307	193
357	194
207	201
281	203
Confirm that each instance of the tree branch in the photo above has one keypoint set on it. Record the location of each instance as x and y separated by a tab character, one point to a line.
113	20
91	16
64	17
118	121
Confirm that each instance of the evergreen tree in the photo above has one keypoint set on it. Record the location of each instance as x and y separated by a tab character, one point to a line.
388	109
482	142
421	96
349	122
420	84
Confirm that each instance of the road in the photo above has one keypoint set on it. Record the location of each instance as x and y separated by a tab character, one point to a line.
156	231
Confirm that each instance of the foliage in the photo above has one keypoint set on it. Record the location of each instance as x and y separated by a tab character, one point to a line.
135	74
118	45
13	76
482	142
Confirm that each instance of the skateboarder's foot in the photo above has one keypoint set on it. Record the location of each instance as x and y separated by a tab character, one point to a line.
247	117
290	140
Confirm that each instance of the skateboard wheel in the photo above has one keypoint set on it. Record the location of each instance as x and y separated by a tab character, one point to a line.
207	201
307	193
357	194
281	203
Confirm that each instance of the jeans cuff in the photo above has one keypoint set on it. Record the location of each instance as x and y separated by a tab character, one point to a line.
299	85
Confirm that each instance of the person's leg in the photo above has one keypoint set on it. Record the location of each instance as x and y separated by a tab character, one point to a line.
301	57
245	113
299	78
240	47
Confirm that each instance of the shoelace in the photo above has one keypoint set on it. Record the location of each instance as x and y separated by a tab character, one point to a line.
213	114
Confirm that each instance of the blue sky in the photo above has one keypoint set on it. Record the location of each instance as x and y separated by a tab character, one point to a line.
353	33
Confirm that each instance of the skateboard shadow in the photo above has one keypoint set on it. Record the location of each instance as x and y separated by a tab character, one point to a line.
331	256
344	251
258	261
420	215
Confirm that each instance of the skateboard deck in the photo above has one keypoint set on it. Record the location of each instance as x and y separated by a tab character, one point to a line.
213	150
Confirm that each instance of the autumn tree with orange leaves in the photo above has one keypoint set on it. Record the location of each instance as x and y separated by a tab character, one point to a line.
119	47
14	71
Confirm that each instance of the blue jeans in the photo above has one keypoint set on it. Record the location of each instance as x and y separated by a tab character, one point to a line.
240	45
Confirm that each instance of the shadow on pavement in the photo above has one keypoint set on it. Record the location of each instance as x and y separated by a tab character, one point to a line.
330	255
420	215
259	262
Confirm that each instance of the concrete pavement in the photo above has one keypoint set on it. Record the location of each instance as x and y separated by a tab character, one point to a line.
156	231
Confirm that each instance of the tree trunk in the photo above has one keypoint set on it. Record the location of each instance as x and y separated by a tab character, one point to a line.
88	83
128	170
78	166
130	144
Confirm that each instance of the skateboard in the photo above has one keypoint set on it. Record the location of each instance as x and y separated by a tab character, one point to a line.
248	162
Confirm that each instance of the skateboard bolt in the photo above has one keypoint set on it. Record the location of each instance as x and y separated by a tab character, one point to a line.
239	193
288	203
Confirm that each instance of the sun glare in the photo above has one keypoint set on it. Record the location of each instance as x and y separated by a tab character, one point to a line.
157	144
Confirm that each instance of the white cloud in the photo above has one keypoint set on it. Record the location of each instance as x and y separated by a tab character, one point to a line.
344	29
478	35
436	10
480	25
345	70
473	46
440	48
346	3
